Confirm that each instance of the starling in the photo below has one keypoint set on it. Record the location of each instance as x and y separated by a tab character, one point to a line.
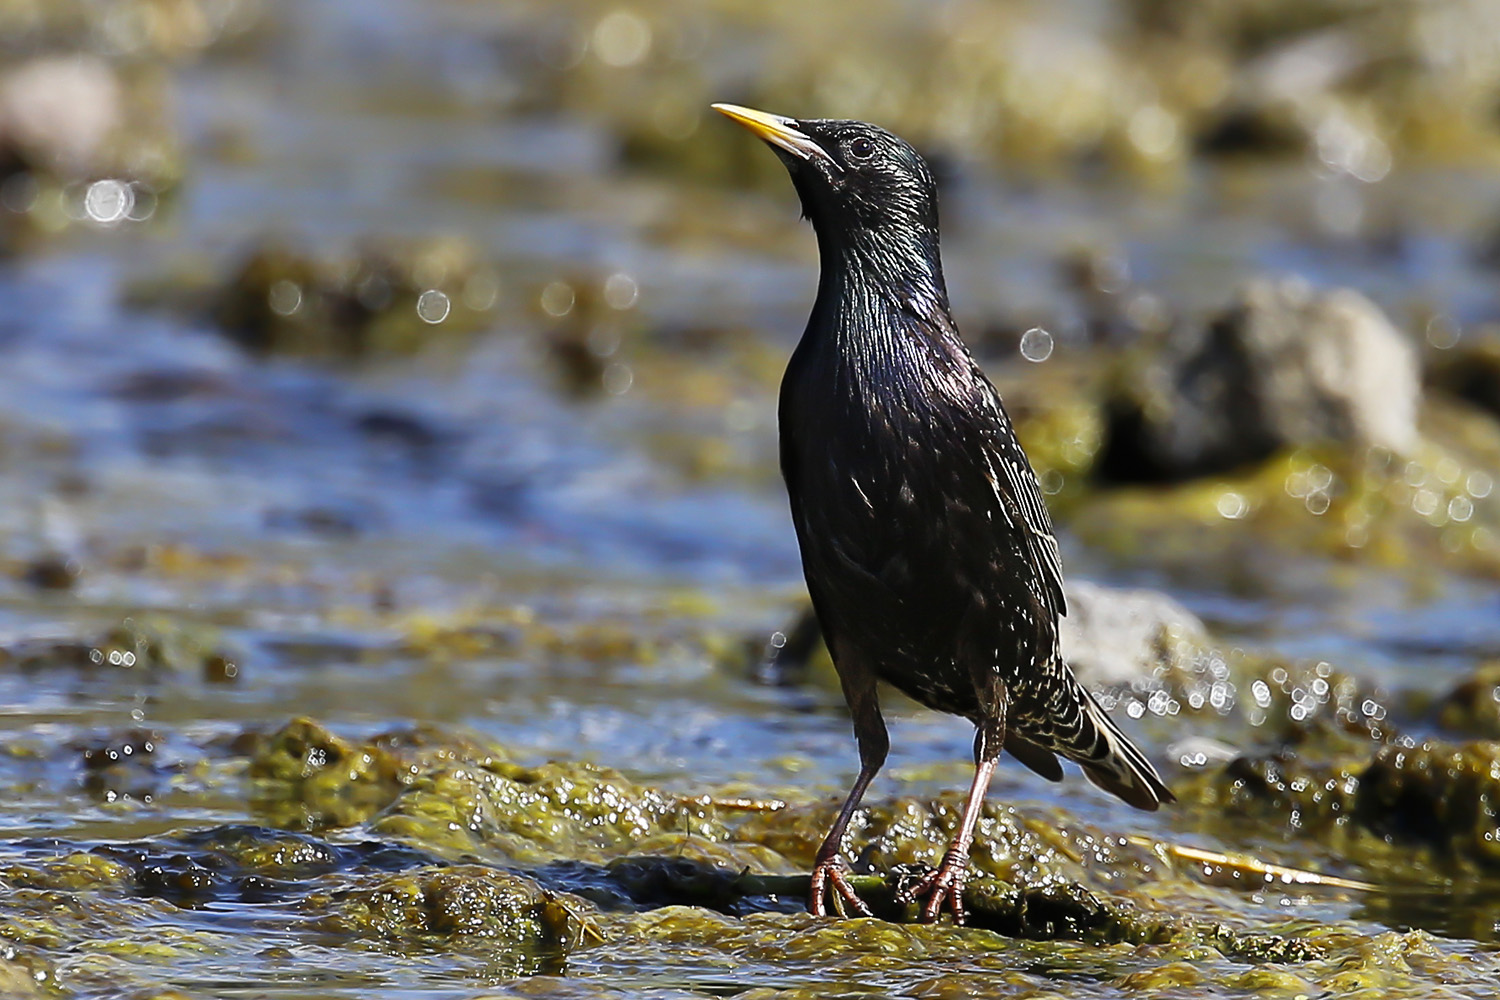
927	548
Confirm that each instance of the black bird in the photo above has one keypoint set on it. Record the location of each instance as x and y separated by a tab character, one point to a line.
927	548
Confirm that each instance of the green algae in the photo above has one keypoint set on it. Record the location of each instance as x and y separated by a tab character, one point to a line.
1049	893
1346	505
1406	811
522	928
379	299
534	814
1472	706
153	645
307	778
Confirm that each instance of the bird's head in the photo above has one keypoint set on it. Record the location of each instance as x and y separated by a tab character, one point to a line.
855	180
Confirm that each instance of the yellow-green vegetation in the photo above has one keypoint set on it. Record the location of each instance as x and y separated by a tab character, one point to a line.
665	872
379	299
1472	707
1411	812
522	928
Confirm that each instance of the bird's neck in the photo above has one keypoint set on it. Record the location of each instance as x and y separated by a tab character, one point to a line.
875	288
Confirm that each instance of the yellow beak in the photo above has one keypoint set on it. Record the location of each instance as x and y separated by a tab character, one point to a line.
778	131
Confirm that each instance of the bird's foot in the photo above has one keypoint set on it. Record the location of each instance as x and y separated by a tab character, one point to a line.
830	883
943	884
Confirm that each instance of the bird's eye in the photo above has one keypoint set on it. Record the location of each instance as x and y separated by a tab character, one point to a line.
861	148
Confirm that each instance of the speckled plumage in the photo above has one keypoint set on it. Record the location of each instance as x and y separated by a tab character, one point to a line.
925	540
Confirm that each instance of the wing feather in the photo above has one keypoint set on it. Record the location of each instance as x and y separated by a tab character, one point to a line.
1016	486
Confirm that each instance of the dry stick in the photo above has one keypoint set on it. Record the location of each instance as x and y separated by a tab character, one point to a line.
1235	865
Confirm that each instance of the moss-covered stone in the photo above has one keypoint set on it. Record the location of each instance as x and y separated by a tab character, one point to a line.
307	778
529	815
154	643
523	928
377	300
1472	707
1398	809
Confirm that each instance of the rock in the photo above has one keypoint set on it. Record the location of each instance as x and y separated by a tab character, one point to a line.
1400	809
60	110
1115	637
1469	370
379	298
306	777
1284	366
523	927
1472	707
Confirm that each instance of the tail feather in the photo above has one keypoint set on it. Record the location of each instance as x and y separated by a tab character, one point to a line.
1038	758
1084	733
1116	764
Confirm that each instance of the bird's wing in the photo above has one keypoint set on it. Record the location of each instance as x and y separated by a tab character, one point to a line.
1016	487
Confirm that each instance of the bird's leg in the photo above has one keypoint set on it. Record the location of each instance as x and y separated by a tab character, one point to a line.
828	874
946	882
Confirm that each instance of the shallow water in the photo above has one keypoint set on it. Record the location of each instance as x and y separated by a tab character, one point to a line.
452	538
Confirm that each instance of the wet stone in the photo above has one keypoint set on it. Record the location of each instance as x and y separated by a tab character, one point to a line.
53	572
1396	809
249	863
523	928
1469	370
308	778
124	765
1472	707
1116	637
1284	366
377	299
527	815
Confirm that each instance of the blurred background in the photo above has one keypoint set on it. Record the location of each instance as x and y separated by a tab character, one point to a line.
413	363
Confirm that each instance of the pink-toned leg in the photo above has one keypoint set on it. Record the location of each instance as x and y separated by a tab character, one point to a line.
945	884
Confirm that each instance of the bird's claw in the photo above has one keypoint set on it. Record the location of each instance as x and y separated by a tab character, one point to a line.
829	882
944	883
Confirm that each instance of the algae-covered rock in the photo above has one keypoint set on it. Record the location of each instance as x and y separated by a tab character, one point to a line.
1400	809
1013	845
1303	514
586	318
377	299
73	871
1046	910
1283	367
22	981
251	864
523	928
123	764
1472	707
1442	796
534	814
154	644
308	778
